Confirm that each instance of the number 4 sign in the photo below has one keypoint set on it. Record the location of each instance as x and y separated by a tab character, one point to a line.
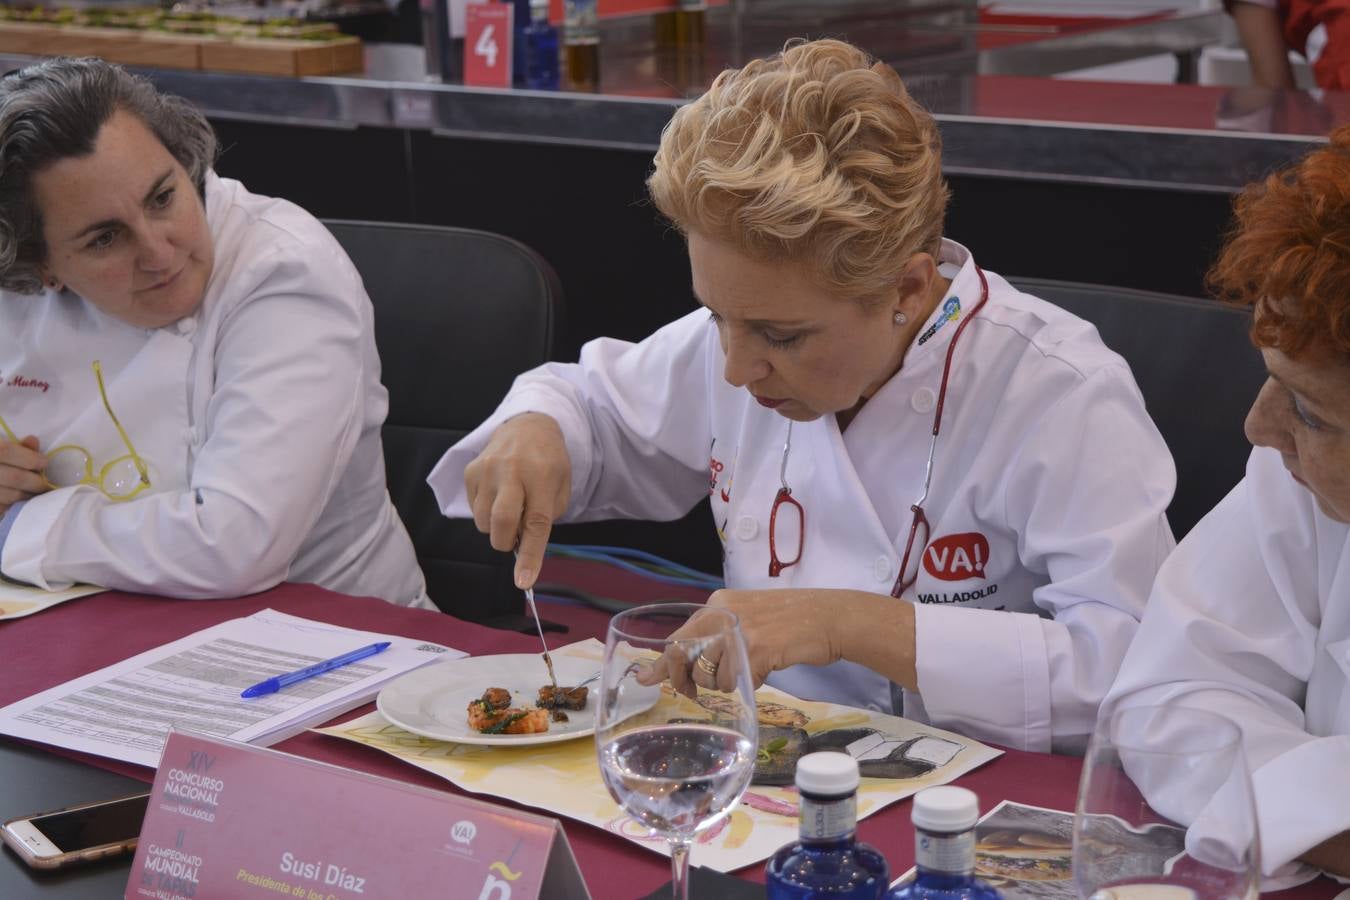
487	44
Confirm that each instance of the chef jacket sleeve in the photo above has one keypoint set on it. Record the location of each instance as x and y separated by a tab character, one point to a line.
1232	626
284	415
635	418
7	522
1086	493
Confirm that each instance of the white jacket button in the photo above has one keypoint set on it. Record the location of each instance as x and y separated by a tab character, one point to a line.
747	528
186	326
882	568
923	400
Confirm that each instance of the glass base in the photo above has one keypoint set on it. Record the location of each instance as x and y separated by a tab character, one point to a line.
710	883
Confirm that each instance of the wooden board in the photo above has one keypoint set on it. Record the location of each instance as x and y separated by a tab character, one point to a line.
164	49
32	40
283	57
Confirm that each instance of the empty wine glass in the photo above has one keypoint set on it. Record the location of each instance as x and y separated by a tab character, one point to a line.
677	760
1165	809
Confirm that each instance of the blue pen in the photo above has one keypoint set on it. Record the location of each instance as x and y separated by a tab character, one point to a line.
277	682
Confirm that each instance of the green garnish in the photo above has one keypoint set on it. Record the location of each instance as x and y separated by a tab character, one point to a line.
766	752
502	724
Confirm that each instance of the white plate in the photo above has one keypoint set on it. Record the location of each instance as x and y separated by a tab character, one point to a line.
433	701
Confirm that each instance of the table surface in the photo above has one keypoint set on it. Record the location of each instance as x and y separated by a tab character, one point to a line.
87	634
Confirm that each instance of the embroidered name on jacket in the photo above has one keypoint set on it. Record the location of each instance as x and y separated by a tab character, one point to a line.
22	381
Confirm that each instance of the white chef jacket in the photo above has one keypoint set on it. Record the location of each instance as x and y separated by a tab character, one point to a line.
1047	503
259	416
1250	618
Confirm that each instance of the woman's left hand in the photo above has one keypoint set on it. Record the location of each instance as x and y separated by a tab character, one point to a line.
793	626
782	628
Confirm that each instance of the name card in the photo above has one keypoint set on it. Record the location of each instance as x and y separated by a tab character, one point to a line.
230	820
488	44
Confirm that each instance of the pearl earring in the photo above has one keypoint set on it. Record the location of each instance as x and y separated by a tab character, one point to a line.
900	318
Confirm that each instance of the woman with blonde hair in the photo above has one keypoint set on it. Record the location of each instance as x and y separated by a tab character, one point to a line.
923	479
1250	618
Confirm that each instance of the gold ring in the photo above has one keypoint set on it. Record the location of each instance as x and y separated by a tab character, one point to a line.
706	666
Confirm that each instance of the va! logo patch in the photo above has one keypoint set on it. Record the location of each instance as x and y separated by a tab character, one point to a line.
957	557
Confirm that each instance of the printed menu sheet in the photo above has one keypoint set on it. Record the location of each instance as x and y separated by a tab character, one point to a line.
564	778
125	711
19	600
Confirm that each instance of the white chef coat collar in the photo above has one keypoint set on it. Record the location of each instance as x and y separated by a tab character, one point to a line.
961	297
216	201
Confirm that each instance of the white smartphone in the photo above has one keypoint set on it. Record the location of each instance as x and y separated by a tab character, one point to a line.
77	834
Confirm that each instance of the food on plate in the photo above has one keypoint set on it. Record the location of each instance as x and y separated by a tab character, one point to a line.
573	698
557	699
497	698
493	714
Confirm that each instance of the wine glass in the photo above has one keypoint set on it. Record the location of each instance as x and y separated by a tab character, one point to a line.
1148	772
676	756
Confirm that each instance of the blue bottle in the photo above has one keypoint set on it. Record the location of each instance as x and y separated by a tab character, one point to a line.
827	861
944	848
540	49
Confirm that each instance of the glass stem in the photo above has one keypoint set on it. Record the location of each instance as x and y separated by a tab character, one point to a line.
679	869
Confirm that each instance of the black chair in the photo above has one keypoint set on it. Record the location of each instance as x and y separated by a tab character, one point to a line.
1197	370
458	314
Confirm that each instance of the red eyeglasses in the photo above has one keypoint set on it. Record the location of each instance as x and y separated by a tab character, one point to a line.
909	563
782	499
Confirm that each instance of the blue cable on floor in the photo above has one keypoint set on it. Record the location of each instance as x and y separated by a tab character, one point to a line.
621	557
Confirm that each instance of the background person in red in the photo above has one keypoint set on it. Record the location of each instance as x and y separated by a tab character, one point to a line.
1269	28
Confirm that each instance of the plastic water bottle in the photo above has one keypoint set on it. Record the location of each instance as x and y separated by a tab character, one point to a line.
944	848
827	860
541	49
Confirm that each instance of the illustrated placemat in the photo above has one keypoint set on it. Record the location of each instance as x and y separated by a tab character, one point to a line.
564	778
19	600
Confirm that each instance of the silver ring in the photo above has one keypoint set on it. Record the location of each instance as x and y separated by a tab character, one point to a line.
706	666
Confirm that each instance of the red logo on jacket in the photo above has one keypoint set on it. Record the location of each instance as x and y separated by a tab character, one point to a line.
957	557
715	468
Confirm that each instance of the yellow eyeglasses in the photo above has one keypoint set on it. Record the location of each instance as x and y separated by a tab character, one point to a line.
69	465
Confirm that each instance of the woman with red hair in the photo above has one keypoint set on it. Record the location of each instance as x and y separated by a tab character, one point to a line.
1250	617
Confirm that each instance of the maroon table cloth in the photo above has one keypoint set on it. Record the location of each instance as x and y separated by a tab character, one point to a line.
83	635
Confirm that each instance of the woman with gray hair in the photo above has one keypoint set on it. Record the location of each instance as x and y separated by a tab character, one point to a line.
192	366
